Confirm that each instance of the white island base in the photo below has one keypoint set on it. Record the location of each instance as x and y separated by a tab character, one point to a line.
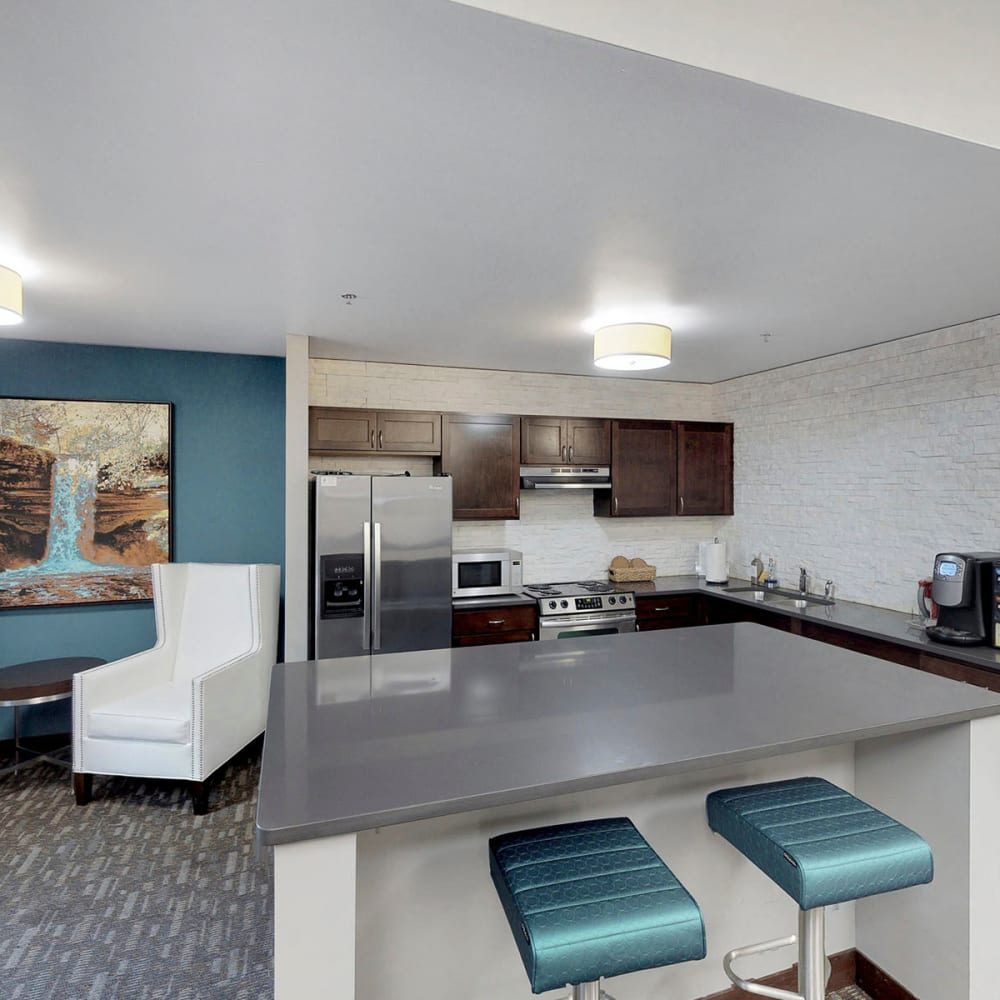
408	912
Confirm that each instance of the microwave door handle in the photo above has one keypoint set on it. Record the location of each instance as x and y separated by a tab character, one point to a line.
366	592
376	586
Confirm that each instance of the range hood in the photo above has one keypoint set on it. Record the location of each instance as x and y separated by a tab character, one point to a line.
565	477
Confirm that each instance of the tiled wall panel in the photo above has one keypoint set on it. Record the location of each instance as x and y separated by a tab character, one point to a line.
863	465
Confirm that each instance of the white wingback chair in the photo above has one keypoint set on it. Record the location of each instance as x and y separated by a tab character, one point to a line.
186	706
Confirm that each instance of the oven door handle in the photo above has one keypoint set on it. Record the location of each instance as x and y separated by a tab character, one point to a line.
572	621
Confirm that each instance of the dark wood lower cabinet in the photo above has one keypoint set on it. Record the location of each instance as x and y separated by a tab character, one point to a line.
881	648
492	639
956	671
674	611
487	626
720	612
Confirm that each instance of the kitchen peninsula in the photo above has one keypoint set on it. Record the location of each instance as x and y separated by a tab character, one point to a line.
383	778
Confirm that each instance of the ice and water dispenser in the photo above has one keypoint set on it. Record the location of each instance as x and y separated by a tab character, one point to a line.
342	586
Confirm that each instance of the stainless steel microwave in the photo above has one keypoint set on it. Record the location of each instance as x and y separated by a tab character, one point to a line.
485	573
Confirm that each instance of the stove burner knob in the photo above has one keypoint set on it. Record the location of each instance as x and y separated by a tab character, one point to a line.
612	600
564	604
552	604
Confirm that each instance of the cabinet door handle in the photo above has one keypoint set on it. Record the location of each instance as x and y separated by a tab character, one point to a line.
373	438
571	453
616	504
496	621
562	452
517	505
664	608
380	445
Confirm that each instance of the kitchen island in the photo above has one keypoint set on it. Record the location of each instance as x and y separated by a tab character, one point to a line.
383	778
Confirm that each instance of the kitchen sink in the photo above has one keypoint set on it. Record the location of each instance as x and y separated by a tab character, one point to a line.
779	596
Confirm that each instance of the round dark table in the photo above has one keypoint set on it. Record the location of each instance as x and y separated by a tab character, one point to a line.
34	683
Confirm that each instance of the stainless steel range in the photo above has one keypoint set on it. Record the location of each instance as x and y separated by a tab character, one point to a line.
591	607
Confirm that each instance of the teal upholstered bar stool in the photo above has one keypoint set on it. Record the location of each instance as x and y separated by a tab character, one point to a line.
822	845
592	899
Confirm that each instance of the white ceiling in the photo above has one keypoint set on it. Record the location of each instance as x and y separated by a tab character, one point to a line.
921	62
216	176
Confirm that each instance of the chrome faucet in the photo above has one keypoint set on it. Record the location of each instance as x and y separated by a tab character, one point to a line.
828	590
803	580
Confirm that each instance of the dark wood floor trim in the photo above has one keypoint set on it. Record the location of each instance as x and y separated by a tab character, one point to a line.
843	974
877	984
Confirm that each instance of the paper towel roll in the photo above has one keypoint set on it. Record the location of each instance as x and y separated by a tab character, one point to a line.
716	564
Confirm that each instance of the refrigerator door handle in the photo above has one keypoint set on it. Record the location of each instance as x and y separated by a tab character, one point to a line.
366	593
376	565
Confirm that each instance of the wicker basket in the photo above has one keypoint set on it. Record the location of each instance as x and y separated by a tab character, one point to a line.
629	575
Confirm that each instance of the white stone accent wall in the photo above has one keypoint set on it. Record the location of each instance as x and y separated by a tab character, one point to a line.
863	465
475	390
557	532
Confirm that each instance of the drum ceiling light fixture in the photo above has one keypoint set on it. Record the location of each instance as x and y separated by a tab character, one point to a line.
11	300
632	347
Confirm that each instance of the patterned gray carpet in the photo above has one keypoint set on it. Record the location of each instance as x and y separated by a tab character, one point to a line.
132	896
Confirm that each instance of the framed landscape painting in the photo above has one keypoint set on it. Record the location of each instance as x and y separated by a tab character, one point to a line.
84	500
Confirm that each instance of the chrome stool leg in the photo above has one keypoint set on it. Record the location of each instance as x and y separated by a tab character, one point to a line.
813	964
589	991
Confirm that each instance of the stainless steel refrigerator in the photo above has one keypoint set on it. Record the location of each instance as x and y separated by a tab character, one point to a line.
381	564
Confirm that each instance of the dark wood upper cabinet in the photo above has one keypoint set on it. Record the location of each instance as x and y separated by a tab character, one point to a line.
399	430
658	467
565	441
704	468
481	452
643	470
345	431
334	429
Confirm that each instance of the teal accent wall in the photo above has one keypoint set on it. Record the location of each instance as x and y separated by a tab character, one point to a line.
228	481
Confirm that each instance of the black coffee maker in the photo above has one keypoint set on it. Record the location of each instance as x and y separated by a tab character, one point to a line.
963	591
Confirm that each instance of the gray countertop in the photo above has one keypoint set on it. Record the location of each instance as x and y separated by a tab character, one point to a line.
357	743
861	619
500	601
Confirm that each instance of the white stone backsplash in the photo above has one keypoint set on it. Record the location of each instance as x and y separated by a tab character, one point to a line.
562	540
